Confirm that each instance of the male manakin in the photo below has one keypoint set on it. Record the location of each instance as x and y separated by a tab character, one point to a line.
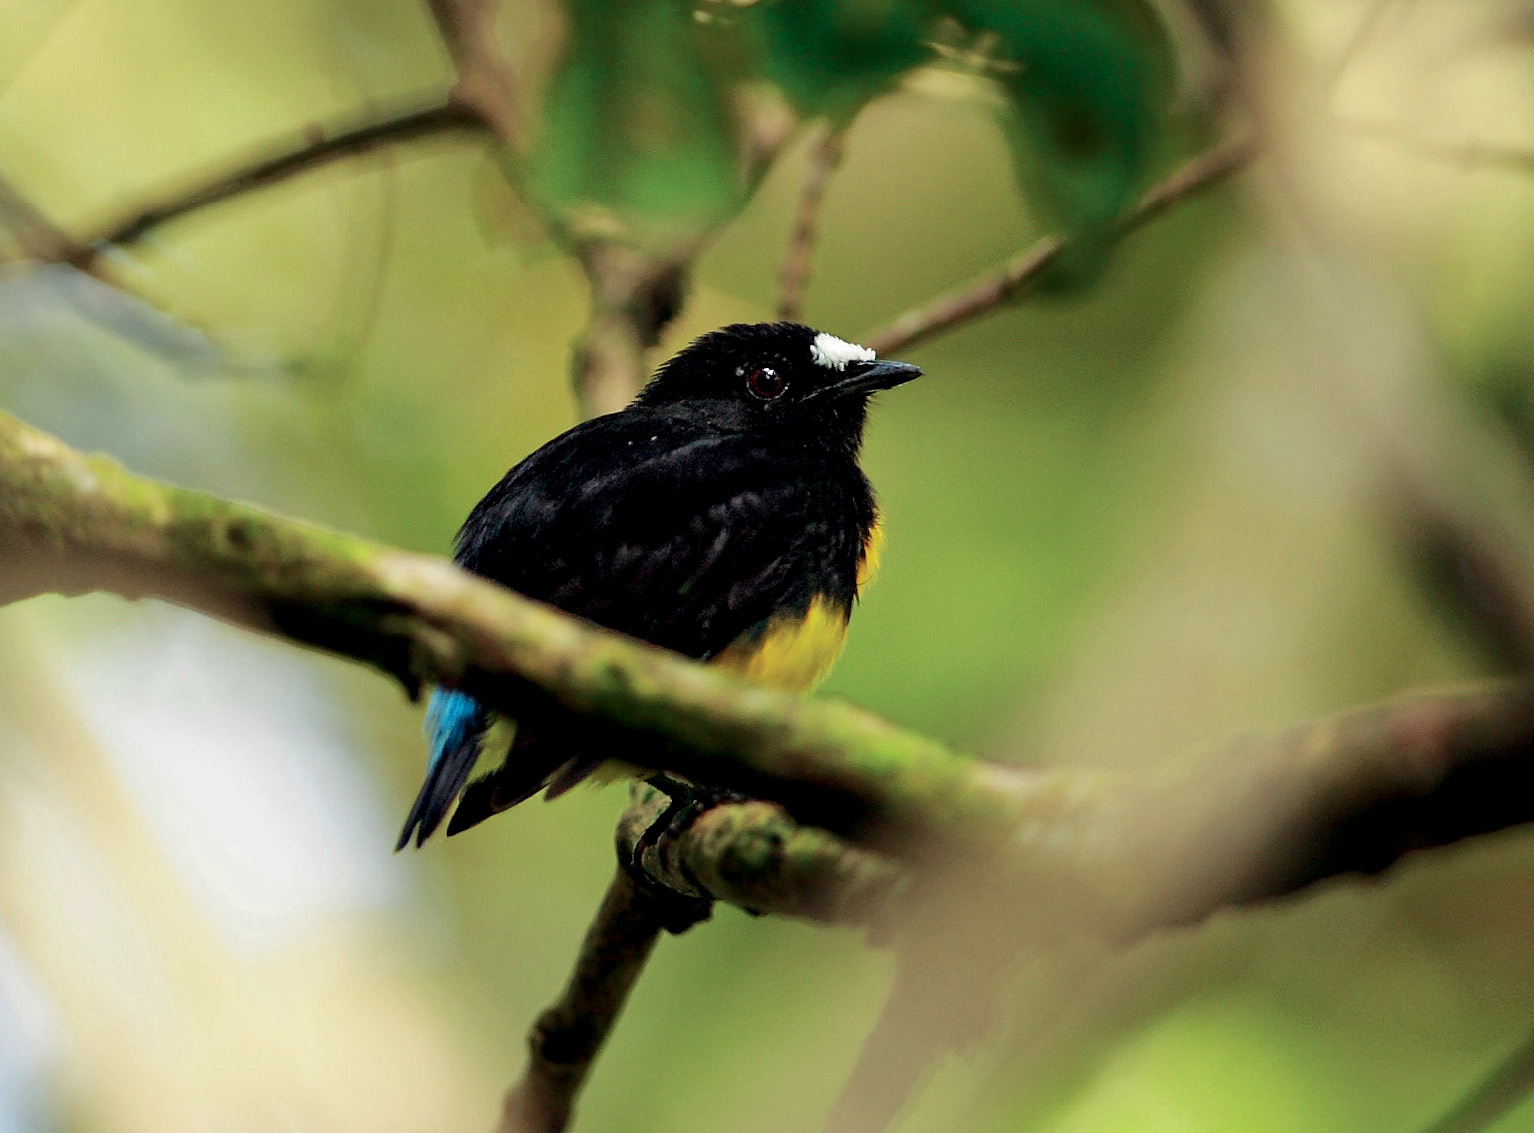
722	515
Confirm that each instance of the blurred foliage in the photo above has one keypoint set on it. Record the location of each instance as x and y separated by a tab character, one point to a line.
1087	80
831	59
634	124
636	133
1120	529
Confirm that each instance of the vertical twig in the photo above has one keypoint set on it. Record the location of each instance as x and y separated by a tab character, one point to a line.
1368	24
636	292
567	1037
634	295
486	81
799	256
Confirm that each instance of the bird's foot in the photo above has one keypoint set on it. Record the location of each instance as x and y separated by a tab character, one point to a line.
686	800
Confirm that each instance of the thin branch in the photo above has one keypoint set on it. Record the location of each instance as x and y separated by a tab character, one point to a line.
320	146
1474	561
567	1037
35	236
1363	31
799	256
967	303
634	296
1466	155
1459	491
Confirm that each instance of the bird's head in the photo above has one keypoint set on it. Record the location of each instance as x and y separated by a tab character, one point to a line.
776	376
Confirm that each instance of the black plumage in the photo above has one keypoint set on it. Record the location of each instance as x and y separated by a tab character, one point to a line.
723	504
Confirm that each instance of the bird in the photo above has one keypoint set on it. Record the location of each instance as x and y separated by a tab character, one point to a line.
723	514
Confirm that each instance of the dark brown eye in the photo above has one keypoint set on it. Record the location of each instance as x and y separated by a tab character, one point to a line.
766	383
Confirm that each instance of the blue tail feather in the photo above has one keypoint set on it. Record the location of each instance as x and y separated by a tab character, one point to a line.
455	725
452	717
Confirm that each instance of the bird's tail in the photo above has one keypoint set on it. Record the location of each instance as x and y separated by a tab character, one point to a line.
534	760
455	724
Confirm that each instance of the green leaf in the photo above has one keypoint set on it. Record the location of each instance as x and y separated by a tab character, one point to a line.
832	56
1086	80
635	135
1089	82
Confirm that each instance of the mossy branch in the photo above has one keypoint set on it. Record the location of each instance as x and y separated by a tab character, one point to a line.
1053	853
1259	819
1364	787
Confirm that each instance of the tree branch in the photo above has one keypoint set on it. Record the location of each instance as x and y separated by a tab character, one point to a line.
566	1039
1257	820
1348	794
960	306
799	256
1468	156
320	146
634	296
34	236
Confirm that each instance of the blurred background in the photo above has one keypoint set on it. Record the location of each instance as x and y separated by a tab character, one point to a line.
1219	491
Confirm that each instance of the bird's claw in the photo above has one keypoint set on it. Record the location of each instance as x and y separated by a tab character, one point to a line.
686	801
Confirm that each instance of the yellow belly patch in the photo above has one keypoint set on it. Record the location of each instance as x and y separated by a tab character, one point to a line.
795	653
873	547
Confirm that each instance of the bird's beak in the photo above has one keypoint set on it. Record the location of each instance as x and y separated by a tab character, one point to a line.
870	377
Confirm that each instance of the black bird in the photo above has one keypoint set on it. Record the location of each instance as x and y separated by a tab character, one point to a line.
722	515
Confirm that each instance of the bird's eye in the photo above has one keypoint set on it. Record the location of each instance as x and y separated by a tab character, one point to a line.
766	383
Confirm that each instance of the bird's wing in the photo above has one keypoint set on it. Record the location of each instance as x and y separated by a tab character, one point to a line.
664	531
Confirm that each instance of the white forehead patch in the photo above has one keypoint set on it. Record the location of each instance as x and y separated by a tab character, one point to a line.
834	353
